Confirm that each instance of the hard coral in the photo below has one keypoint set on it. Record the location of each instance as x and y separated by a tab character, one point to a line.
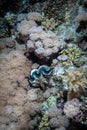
44	124
76	81
52	116
73	52
28	22
48	24
70	78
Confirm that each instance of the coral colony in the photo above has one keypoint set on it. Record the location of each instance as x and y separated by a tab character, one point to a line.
63	75
54	34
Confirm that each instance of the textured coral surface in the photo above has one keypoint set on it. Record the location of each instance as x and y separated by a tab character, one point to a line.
15	101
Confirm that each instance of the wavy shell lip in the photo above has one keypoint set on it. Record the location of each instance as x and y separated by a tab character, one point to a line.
37	73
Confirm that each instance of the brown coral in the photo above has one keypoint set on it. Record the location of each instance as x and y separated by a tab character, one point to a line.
76	80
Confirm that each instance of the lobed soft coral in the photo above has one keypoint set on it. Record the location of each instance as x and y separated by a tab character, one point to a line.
44	45
35	16
72	108
25	26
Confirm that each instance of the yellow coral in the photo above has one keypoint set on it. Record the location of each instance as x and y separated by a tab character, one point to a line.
44	122
74	53
48	24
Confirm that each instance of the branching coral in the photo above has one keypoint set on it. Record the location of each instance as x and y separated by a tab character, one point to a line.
76	81
44	124
10	18
70	78
74	54
50	102
48	24
51	115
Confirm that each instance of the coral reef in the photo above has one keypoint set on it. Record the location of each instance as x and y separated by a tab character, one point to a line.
84	109
50	102
38	94
7	42
16	101
76	110
4	30
44	45
68	30
59	121
71	79
10	18
28	22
